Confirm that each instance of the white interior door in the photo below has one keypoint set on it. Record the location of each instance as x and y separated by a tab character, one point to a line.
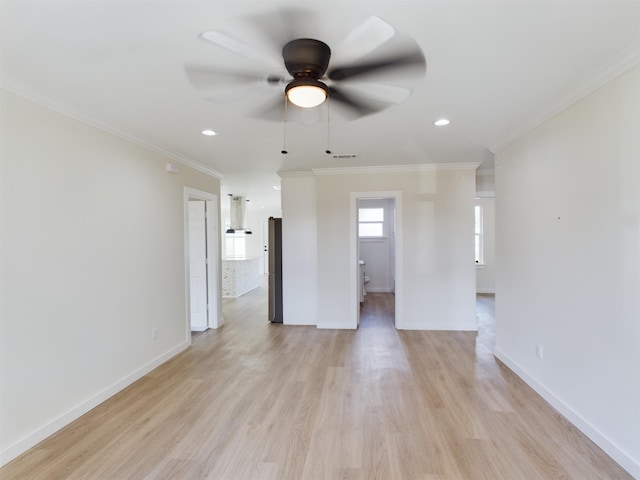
198	265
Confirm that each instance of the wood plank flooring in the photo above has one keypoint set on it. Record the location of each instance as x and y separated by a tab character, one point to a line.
258	401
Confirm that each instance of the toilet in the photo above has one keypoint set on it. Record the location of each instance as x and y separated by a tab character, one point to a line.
364	279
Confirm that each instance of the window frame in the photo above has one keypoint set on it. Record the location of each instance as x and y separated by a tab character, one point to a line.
382	222
478	235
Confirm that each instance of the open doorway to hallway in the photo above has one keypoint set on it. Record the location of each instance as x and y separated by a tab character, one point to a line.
376	254
377	246
378	310
201	261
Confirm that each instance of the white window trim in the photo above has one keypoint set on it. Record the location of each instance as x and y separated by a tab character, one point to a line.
383	222
480	263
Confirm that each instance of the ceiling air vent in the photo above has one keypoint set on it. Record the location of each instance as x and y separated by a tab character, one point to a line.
345	155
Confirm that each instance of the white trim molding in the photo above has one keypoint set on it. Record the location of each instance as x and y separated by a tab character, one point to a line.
24	90
486	290
213	260
487	194
625	461
304	173
354	297
66	418
425	167
624	62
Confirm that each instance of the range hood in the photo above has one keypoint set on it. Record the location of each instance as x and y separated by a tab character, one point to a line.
238	215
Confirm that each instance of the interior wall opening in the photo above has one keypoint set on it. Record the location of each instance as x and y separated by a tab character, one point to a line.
377	250
201	261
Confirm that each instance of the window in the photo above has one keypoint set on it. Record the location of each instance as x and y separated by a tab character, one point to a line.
235	245
478	235
371	222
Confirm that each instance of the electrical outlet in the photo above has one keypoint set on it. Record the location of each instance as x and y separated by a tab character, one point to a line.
539	351
154	333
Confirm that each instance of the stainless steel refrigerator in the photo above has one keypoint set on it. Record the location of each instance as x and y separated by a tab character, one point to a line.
275	270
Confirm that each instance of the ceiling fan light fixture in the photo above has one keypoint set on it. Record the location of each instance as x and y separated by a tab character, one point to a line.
306	93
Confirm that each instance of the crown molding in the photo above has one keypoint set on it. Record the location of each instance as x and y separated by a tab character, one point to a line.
22	89
620	64
306	173
486	194
425	167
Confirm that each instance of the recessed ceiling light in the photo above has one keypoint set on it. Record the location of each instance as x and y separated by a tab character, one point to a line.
276	187
208	132
441	122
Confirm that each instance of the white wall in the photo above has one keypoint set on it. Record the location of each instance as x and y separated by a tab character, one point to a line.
568	264
93	258
485	184
299	249
438	267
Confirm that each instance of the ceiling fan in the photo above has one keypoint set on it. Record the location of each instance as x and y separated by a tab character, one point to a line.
364	84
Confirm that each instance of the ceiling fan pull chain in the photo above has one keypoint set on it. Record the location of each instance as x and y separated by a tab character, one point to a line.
284	141
328	150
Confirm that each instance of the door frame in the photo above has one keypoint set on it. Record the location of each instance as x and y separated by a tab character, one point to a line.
214	319
396	195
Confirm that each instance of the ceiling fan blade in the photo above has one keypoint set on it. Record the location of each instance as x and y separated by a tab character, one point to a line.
274	111
356	106
355	101
376	91
364	39
405	61
231	43
202	76
283	25
226	85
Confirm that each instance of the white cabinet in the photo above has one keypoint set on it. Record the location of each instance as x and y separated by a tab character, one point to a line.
239	277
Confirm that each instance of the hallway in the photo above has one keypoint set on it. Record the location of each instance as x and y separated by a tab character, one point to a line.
254	400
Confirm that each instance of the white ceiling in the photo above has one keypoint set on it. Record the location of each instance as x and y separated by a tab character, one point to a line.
494	68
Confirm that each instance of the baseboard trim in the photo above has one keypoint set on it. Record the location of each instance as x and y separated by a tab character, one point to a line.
66	418
439	327
625	461
301	323
333	326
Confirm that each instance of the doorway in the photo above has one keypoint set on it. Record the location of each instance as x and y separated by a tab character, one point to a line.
380	236
201	260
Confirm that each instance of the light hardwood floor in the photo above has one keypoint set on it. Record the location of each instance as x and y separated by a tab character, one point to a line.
258	401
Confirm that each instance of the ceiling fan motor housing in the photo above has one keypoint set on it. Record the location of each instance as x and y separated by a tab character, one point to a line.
306	58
